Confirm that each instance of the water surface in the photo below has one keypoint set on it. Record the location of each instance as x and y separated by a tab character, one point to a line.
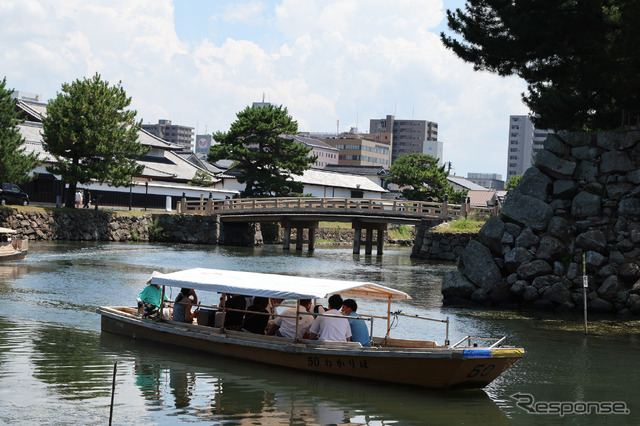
56	367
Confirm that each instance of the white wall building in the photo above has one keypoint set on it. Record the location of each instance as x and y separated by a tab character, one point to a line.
434	149
524	142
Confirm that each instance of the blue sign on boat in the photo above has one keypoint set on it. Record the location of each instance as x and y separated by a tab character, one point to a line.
476	353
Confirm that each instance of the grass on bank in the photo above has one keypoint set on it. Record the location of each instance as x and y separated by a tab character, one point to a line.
460	225
402	232
92	210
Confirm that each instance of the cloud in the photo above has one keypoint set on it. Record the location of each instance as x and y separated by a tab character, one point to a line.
250	13
347	60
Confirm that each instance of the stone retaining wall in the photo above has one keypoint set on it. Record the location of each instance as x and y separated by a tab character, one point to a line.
441	245
581	200
91	225
103	225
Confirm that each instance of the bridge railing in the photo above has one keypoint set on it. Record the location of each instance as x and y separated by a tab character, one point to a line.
400	207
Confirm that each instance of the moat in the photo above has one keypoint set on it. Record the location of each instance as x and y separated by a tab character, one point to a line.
57	366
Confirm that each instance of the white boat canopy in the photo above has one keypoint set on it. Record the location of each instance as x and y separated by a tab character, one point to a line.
7	231
273	285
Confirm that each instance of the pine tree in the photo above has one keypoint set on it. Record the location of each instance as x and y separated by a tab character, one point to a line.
91	135
15	165
267	158
579	57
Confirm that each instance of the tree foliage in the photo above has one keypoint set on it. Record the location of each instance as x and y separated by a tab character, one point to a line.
513	182
578	57
15	165
421	179
267	158
201	178
92	135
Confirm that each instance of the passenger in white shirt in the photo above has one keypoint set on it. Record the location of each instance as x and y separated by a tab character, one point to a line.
285	325
328	328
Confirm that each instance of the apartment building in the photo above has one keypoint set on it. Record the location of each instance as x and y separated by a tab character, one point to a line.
408	136
326	154
359	150
524	142
174	133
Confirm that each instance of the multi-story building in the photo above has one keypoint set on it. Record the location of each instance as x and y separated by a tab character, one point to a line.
524	142
359	150
327	154
408	136
180	135
487	180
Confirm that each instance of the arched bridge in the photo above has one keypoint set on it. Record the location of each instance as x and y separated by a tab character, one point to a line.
305	212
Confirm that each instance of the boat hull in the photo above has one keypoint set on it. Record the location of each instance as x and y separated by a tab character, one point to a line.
13	256
441	368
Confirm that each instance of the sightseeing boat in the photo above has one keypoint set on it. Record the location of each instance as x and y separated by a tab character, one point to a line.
11	246
465	364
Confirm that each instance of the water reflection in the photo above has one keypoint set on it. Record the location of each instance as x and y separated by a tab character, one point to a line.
210	388
67	360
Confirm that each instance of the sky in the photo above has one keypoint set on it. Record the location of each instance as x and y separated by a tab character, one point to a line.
334	64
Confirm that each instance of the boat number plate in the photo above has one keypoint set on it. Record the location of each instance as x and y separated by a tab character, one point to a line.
481	370
315	361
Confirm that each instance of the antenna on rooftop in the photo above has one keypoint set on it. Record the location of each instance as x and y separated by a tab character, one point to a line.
262	97
337	127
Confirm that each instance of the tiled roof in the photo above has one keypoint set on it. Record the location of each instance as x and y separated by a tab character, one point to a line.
357	170
480	198
35	110
338	180
312	142
169	165
147	139
464	183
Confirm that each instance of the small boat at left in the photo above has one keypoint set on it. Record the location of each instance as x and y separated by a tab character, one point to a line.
12	245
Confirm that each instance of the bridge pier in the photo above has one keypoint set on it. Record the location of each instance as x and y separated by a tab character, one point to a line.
300	226
369	227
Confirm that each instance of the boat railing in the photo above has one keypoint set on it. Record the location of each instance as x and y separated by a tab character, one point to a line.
445	321
496	341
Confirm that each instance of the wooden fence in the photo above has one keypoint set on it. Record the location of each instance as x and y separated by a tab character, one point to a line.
403	208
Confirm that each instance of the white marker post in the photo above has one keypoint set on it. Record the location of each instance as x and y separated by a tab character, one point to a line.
585	287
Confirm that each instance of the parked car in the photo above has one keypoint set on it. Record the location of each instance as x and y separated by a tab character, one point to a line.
12	194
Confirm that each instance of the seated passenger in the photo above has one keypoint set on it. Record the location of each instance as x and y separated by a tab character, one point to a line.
359	330
149	299
285	325
329	328
272	309
182	306
256	323
233	319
